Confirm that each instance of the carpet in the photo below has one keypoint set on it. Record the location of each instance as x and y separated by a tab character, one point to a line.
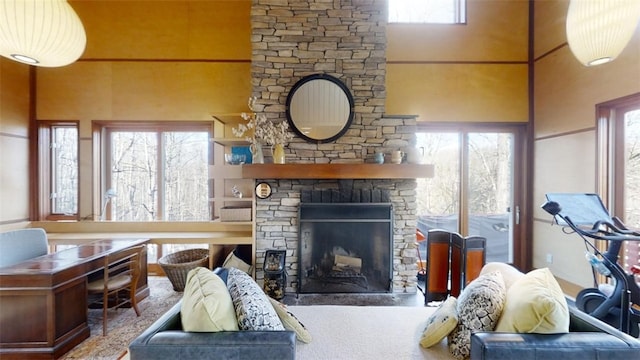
365	332
338	331
123	324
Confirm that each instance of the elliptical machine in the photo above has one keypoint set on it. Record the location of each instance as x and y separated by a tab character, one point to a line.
586	215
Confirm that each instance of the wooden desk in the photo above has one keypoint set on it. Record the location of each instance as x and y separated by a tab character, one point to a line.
43	301
215	240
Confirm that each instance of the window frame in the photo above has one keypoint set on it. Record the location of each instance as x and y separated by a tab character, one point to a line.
521	246
46	170
102	155
610	174
460	15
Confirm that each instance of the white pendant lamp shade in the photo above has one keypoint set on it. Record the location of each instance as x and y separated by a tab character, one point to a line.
598	30
41	32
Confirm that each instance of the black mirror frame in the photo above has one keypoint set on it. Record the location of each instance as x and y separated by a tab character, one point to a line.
334	80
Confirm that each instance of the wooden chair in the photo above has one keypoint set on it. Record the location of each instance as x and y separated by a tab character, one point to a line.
121	273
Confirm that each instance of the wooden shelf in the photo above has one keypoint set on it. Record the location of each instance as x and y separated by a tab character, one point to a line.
229	119
337	171
230	141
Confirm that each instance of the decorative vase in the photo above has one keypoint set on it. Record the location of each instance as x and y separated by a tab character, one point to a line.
256	152
278	154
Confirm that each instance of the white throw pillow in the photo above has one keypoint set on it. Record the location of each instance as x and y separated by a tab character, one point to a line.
206	303
440	323
290	322
253	309
234	261
509	273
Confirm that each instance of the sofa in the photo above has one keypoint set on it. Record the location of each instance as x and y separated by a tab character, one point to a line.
19	245
588	338
166	339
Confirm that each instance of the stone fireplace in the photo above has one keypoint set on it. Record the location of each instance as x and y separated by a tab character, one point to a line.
346	39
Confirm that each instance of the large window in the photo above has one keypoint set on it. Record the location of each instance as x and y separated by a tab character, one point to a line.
156	172
427	11
619	148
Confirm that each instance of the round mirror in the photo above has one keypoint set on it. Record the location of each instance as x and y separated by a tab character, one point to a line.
320	108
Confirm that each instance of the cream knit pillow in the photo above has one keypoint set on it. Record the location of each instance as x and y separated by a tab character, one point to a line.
206	303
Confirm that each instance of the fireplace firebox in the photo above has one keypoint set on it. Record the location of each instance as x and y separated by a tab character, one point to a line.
345	247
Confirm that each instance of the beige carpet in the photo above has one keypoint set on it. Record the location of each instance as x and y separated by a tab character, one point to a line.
365	332
123	325
338	331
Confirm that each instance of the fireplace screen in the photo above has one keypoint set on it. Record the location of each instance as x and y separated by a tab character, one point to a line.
345	247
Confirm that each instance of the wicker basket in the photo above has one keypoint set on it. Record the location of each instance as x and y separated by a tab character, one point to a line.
178	265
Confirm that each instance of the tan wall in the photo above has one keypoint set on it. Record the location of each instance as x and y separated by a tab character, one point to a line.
566	93
14	142
475	72
163	60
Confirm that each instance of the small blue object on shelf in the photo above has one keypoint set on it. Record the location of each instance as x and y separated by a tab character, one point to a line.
242	150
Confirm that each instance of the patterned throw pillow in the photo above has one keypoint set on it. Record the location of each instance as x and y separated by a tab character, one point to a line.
253	309
291	322
479	307
440	323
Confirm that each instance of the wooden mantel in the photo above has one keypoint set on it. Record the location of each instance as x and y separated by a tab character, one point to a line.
337	171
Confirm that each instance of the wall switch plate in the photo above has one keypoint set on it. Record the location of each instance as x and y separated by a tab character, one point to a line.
549	258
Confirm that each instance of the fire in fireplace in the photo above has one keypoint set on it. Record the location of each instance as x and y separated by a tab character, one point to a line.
345	247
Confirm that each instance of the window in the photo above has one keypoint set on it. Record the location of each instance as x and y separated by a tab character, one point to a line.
619	149
58	170
476	187
156	172
427	11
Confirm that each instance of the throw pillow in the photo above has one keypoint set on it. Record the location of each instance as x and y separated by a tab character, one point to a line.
479	307
290	322
233	261
253	309
440	323
509	273
206	303
535	304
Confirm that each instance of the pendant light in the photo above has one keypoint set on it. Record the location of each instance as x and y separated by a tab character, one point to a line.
598	30
44	33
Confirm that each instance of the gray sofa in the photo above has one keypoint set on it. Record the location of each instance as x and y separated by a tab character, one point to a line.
17	246
588	339
165	339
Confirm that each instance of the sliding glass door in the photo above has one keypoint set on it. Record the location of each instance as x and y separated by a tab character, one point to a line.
473	189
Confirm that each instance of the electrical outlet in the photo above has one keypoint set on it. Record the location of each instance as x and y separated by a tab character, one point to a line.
549	258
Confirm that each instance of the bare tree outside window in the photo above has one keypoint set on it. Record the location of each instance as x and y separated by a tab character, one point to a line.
483	182
159	175
632	184
64	169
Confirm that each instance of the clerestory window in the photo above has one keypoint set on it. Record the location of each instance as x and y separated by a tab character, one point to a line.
428	11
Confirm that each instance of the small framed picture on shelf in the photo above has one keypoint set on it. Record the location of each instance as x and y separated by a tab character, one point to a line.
263	190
